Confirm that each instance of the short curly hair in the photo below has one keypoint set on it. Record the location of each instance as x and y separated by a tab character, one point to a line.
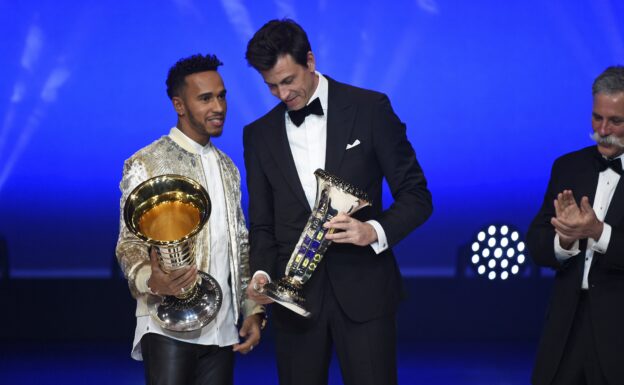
188	66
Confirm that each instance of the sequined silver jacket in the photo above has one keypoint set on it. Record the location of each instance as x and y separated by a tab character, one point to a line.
165	156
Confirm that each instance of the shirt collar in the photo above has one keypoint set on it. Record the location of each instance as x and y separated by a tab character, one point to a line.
187	143
321	92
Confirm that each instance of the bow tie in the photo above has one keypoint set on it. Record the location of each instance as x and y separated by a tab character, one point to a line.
613	164
298	116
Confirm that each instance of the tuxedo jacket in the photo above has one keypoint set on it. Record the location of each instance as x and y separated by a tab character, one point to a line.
366	285
578	171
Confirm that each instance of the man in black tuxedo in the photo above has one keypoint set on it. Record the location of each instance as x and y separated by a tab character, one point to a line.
354	134
579	232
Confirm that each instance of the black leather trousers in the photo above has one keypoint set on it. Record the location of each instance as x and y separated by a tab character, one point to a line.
172	362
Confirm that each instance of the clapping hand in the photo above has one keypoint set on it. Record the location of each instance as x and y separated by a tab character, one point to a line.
573	222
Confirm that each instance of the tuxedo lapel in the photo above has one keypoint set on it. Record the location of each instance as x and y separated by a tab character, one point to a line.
340	122
280	149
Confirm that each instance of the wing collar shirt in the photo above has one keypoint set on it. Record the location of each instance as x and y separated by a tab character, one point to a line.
222	330
607	182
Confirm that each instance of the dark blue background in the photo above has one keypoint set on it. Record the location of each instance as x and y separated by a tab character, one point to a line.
491	93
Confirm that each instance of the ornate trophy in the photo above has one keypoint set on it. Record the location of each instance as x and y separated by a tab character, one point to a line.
333	196
167	212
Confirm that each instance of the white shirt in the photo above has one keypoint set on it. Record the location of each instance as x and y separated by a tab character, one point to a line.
308	141
607	182
222	330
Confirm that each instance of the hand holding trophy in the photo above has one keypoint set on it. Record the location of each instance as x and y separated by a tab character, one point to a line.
333	196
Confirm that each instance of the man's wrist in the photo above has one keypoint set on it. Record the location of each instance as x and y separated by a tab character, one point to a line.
262	318
566	244
598	230
372	233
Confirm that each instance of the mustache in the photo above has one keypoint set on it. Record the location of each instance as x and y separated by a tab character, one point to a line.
609	139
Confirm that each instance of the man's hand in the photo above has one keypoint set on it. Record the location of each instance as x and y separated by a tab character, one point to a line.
173	283
574	222
250	331
255	289
565	210
352	231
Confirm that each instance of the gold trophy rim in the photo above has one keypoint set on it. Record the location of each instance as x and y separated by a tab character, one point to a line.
130	220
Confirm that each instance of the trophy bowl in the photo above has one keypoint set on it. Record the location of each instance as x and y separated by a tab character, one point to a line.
167	212
333	196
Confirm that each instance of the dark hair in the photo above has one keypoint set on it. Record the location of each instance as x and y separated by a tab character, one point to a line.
275	39
188	66
610	82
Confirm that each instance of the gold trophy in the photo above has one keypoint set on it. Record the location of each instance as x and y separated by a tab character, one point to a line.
167	212
333	196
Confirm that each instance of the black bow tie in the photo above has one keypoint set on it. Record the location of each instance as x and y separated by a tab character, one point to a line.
613	164
298	116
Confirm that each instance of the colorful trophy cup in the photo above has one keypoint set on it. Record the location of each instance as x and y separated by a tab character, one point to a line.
333	196
167	212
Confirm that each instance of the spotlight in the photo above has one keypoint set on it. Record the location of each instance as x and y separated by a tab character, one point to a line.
498	252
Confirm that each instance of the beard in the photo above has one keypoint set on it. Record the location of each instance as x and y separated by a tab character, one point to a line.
201	126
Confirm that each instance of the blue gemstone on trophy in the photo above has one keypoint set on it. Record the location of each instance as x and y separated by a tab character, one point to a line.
310	253
315	245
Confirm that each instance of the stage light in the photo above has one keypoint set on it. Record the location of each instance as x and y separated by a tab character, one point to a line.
498	253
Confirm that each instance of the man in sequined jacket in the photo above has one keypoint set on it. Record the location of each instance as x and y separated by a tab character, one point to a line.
206	355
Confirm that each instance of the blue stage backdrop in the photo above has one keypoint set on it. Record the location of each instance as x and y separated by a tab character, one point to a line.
491	92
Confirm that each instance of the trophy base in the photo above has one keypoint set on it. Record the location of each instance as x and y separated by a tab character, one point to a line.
192	312
287	292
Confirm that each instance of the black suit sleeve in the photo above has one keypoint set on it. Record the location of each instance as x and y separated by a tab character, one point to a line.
412	200
263	247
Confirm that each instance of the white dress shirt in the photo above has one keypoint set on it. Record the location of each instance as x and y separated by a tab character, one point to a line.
607	182
222	330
